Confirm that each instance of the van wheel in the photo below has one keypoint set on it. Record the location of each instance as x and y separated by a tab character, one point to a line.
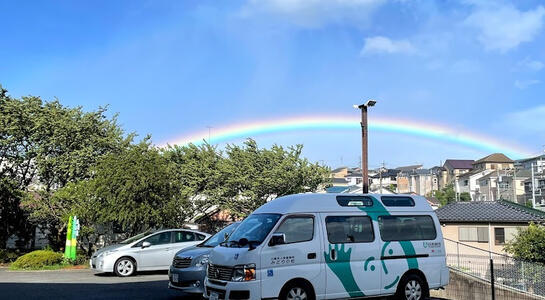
125	267
297	291
412	287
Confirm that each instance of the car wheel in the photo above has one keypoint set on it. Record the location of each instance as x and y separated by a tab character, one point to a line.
125	267
412	287
297	291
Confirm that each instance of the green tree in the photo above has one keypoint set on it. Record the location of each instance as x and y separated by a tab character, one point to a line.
465	197
253	176
136	189
446	195
528	244
44	146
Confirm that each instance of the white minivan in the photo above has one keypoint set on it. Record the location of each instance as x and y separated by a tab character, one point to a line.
328	246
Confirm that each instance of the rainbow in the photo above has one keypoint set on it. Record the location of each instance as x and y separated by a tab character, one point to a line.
419	129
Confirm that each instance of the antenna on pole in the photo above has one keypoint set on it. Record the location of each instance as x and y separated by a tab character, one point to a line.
209	131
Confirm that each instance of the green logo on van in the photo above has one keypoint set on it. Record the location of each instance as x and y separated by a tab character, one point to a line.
341	267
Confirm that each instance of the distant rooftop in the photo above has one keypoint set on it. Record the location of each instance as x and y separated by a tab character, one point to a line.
408	168
459	163
494	158
489	211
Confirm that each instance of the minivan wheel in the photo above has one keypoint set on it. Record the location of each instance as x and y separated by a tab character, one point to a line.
296	291
124	267
412	288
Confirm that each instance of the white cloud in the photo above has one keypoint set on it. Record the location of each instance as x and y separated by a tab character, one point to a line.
523	84
380	44
530	119
534	65
314	13
504	27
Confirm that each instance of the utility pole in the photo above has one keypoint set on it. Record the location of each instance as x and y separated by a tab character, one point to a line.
364	145
533	187
515	184
380	180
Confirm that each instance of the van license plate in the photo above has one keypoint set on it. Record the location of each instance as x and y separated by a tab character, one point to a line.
174	277
214	296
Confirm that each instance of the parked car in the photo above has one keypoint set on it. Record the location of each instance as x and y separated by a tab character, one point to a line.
145	252
188	267
330	246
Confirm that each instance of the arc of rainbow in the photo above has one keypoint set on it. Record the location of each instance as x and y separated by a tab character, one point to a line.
419	129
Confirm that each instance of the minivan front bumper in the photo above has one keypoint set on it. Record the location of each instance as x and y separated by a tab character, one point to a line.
190	280
233	290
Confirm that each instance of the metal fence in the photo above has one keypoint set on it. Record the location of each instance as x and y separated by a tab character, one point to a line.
502	271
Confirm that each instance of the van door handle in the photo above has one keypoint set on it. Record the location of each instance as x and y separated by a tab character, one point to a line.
311	255
333	254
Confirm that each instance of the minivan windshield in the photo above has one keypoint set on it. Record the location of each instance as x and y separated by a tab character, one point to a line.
253	229
219	237
136	237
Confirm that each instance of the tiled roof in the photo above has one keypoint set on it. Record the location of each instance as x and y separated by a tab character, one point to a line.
459	163
495	158
489	211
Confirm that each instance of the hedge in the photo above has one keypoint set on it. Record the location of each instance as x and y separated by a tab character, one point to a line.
37	260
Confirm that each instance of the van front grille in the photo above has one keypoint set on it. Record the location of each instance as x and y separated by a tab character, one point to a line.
181	262
219	272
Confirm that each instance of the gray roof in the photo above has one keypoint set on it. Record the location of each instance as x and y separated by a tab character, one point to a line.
338	180
459	163
409	168
488	211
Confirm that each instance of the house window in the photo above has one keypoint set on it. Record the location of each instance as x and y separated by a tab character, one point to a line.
473	234
466	182
359	180
503	235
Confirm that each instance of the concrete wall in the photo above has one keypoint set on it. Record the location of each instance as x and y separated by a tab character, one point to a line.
463	286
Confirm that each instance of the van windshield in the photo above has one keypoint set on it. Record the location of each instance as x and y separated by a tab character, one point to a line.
252	231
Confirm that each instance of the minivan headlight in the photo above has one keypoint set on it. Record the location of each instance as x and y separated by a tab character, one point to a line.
244	273
202	260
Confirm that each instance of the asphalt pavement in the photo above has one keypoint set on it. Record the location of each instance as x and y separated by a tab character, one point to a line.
86	285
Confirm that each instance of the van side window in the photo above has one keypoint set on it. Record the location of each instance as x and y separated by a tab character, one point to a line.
406	228
397	201
297	229
349	229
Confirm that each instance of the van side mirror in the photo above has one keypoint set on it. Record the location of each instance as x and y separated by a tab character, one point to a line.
145	244
277	239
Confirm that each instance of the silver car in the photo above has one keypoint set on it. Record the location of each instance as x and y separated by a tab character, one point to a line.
188	268
145	252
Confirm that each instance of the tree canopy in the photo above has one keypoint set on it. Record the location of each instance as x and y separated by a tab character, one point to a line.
57	161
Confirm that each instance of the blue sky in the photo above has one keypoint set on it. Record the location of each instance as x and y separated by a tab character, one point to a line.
175	67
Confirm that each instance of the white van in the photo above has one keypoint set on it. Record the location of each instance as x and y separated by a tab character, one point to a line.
328	246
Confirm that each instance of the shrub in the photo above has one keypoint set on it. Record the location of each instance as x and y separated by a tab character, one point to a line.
8	256
37	260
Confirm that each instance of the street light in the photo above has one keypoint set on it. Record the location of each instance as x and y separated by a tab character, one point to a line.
364	151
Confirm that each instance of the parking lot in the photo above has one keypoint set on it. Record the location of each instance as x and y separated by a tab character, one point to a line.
83	284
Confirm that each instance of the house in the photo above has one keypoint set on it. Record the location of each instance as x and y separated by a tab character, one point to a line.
538	162
498	185
537	193
418	181
386	178
467	183
340	172
485	225
495	161
454	168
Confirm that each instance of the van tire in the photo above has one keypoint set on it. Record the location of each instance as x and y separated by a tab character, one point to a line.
412	287
297	289
125	267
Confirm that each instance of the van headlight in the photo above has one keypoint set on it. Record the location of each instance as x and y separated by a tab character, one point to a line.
244	273
202	260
